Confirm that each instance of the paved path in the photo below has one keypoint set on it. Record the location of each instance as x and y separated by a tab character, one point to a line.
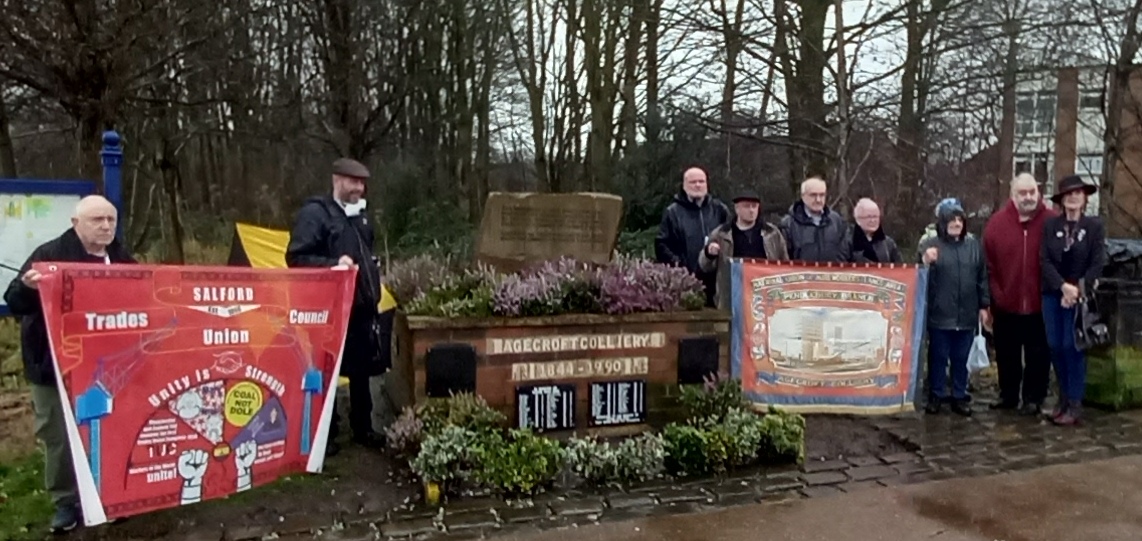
1096	501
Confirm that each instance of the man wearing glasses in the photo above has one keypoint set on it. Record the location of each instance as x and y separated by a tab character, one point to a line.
812	230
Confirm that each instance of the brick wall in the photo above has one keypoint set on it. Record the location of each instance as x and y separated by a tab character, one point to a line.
524	351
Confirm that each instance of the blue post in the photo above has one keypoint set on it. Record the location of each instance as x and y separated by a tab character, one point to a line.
112	156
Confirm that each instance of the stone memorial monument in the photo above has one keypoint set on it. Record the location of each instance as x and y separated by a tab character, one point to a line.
522	228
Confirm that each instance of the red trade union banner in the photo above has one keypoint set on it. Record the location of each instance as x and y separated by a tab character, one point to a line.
185	384
841	338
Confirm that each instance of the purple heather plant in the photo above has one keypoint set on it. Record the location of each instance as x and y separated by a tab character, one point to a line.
633	285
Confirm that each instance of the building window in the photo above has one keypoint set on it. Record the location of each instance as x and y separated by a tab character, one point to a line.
1037	164
1034	113
1089	167
1090	100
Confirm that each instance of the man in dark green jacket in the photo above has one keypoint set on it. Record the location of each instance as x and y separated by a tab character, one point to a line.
958	299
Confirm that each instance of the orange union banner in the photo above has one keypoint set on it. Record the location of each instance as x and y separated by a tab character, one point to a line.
829	338
185	384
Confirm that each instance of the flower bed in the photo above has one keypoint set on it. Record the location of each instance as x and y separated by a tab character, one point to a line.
561	324
461	443
427	286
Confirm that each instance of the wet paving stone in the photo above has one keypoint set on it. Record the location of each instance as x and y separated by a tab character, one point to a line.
625	501
871	472
897	458
859	486
825	478
408	528
569	508
825	465
684	495
515	515
864	461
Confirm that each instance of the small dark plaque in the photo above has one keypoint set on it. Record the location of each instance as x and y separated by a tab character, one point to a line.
616	403
697	359
545	407
449	369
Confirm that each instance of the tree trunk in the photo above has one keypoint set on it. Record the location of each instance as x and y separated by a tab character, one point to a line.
1003	171
7	150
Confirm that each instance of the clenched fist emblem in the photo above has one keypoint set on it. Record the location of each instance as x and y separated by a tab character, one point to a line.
192	467
244	456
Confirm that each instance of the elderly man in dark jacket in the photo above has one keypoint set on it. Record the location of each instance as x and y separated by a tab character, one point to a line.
870	243
91	239
686	226
812	230
958	302
334	230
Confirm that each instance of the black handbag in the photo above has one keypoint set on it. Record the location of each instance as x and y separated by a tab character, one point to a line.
1090	331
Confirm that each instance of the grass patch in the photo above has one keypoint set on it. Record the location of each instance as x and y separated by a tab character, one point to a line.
25	508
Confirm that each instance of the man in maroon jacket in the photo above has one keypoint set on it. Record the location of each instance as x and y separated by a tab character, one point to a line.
1011	243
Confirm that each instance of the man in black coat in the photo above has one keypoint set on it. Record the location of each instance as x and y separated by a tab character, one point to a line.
813	231
334	230
686	226
91	239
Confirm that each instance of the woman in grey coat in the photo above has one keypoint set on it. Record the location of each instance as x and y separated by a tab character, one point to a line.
958	301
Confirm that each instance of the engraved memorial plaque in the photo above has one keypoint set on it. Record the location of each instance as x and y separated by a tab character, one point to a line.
616	403
545	407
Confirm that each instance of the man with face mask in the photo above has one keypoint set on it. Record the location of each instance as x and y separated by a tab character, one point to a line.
686	226
1011	242
91	239
334	230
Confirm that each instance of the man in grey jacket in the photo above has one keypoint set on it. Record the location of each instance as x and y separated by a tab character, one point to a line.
958	301
812	230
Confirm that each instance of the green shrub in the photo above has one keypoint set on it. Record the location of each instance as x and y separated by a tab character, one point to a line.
715	398
522	464
637	459
453	454
687	449
783	436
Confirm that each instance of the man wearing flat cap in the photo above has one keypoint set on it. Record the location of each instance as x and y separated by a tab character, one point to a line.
746	237
334	230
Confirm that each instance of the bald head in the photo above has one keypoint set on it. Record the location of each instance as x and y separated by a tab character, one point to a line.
813	194
867	215
1025	194
694	183
94	222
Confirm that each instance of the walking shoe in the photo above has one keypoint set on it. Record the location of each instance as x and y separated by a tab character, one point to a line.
1072	416
961	407
1060	409
934	407
65	519
1031	409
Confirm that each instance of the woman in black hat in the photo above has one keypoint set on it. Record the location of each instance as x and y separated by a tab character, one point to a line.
1073	255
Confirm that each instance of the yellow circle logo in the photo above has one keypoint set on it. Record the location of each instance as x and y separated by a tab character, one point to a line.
242	402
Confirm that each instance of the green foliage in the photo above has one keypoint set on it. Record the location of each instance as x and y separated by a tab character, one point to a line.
465	410
689	450
524	463
713	399
25	508
637	459
723	432
453	454
467	294
783	436
638	243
